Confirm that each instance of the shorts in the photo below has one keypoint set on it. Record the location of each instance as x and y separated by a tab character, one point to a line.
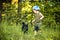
37	27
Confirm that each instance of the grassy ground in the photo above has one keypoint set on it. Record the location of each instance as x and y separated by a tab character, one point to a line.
14	32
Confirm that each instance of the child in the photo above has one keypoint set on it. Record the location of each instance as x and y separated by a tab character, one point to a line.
38	17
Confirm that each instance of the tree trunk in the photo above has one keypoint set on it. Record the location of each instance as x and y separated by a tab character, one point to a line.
0	10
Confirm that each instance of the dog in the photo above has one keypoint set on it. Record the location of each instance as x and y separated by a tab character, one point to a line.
24	27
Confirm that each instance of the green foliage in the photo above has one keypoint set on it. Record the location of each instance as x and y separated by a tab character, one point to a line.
12	15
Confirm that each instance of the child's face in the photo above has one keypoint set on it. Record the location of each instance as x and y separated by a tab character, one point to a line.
35	11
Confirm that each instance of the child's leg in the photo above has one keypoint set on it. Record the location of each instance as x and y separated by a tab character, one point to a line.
39	24
36	30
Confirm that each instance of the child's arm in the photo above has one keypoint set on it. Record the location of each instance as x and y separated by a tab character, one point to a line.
41	16
33	21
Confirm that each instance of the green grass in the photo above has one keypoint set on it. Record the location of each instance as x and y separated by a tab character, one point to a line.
14	32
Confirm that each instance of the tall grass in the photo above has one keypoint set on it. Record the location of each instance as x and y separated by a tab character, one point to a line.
14	32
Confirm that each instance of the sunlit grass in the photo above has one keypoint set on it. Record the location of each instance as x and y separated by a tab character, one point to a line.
14	32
